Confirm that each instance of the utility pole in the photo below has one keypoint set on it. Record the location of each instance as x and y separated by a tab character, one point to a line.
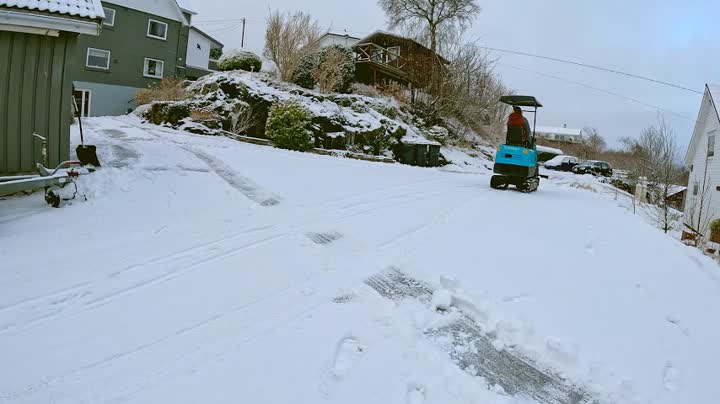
242	40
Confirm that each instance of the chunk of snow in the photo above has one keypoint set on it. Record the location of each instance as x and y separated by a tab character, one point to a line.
442	299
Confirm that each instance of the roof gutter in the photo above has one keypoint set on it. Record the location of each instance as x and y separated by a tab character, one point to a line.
48	22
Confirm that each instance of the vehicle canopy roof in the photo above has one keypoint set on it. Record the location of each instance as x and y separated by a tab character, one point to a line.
520	101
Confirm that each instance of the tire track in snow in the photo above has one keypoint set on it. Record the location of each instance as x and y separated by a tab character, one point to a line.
473	350
243	184
341	213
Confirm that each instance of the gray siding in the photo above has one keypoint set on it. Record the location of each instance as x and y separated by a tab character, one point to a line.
35	95
108	99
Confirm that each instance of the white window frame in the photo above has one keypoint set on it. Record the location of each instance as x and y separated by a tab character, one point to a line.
87	58
82	102
145	68
392	55
108	22
150	21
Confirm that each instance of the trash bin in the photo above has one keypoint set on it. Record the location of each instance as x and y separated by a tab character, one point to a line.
422	155
434	156
408	155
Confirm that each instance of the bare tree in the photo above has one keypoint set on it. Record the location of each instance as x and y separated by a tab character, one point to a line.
432	19
289	37
243	120
659	165
698	211
593	144
329	73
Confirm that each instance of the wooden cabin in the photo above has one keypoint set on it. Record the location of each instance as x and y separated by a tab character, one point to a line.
383	57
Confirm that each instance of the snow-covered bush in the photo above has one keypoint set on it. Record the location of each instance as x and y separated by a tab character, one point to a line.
303	73
715	227
240	60
332	68
216	53
287	126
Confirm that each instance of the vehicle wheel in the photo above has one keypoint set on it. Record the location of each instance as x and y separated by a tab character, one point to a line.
52	199
498	182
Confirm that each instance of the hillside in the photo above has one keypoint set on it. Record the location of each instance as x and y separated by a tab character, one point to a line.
239	102
202	269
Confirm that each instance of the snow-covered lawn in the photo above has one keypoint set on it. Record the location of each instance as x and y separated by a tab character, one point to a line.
206	270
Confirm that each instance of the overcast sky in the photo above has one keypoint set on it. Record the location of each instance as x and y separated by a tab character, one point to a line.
669	40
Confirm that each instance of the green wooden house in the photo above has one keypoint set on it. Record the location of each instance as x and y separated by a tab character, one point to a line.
38	49
141	43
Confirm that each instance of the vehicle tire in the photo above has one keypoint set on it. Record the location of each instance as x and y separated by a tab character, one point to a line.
52	199
498	182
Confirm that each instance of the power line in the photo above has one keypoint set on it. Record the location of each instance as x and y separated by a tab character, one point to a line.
593	67
600	90
229	20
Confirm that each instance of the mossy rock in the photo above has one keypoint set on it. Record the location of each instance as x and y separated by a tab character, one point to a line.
167	113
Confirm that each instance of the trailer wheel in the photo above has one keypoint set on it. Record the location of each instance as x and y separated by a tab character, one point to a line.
52	199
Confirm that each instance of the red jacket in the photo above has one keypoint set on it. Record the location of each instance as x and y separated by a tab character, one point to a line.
517	120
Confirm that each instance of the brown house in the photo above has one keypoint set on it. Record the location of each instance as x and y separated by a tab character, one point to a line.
383	57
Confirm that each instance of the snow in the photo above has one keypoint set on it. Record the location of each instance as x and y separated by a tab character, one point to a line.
558	131
546	149
82	8
555	161
177	281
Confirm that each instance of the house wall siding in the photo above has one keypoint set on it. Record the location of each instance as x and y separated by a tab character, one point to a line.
707	122
198	51
35	96
129	45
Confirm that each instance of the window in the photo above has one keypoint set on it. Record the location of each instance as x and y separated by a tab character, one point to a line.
82	102
696	188
393	53
109	17
98	59
157	30
711	144
153	68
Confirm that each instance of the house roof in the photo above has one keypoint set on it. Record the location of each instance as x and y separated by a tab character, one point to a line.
369	39
169	9
91	9
338	35
559	131
710	98
187	6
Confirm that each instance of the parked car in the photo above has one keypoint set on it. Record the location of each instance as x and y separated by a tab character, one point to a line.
562	163
594	168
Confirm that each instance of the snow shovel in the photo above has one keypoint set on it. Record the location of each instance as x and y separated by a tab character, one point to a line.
87	154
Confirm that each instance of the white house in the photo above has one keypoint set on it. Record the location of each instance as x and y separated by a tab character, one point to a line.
331	38
702	202
564	134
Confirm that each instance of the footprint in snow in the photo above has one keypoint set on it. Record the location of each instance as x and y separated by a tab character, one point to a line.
348	352
671	378
415	394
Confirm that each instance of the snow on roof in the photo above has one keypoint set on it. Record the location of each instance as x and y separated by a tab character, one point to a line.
186	5
559	131
169	9
545	149
338	35
81	8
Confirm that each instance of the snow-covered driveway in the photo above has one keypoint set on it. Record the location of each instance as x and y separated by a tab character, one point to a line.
206	270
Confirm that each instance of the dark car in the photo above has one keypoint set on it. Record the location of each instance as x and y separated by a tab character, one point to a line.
562	163
594	168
